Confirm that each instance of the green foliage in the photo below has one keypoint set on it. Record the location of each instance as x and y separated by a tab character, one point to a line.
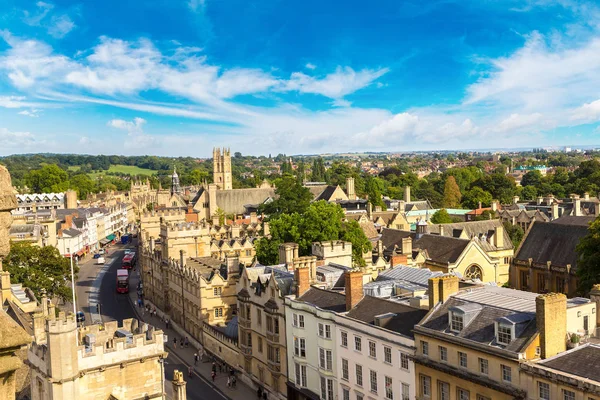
485	215
528	193
83	184
374	188
515	232
476	195
588	264
49	178
532	178
441	217
452	194
321	221
318	170
292	197
40	268
501	187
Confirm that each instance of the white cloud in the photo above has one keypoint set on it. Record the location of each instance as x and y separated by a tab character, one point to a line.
136	138
16	140
310	66
132	127
589	112
517	122
341	103
84	140
196	5
35	17
60	26
34	113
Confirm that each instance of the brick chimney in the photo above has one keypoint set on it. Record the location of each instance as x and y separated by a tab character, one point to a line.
555	211
302	280
551	321
494	205
350	188
407	246
354	288
68	221
499	236
577	206
441	288
253	218
407	194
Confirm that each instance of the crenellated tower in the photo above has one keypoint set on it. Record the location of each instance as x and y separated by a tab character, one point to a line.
222	168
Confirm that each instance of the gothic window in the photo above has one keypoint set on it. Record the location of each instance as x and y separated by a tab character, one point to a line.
474	272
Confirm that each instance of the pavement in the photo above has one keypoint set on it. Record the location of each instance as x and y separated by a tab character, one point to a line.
200	386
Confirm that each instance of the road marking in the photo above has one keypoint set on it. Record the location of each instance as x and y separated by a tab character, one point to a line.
94	294
209	383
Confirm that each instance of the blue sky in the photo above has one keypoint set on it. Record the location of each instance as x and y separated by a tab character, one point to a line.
173	78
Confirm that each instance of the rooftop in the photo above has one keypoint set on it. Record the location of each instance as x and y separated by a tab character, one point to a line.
325	299
577	362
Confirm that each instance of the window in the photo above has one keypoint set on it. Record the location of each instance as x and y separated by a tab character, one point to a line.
325	359
294	320
359	396
405	391
443	391
344	336
481	397
303	375
321	330
462	394
425	386
326	389
345	372
544	391
568	395
372	349
298	374
327	331
259	344
443	353
373	380
404	361
424	348
504	334
345	394
387	354
389	389
456	321
276	325
218	312
357	343
259	316
301	321
462	359
300	347
217	291
506	374
483	366
359	375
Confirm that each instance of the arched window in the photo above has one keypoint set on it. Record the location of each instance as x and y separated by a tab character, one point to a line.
474	272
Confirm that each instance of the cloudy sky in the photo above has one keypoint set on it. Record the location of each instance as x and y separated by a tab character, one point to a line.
177	77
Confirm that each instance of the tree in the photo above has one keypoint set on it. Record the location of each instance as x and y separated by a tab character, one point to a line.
441	217
476	195
40	268
532	178
374	187
452	194
46	179
318	170
292	197
515	232
529	193
83	184
588	264
352	232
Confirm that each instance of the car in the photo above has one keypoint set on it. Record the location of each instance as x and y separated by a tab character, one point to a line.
129	251
97	255
101	251
100	260
80	316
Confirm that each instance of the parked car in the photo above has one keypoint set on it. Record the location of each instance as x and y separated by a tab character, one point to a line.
101	251
129	251
97	255
80	316
100	260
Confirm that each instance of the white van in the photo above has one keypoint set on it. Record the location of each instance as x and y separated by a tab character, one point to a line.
100	260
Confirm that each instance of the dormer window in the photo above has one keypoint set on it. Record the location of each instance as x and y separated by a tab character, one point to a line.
460	316
504	334
457	321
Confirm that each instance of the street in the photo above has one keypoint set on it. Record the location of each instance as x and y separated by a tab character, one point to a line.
116	306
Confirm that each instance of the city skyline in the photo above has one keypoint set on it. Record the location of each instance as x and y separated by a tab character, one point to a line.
175	78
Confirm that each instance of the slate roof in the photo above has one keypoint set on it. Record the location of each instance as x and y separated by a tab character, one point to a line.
233	201
403	322
325	299
577	362
474	229
71	232
393	237
576	221
554	242
495	303
326	193
441	249
316	190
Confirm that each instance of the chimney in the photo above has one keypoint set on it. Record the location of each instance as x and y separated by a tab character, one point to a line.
377	208
233	264
398	259
253	218
380	248
407	246
555	211
401	206
354	288
515	199
407	194
266	229
182	258
595	297
441	228
350	188
302	280
540	200
235	231
577	206
370	210
179	386
494	205
551	321
499	236
190	208
215	220
68	221
441	288
586	196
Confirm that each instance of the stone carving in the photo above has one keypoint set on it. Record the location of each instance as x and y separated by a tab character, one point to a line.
8	202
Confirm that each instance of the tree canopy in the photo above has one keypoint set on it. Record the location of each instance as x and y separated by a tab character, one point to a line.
588	264
452	194
292	197
441	217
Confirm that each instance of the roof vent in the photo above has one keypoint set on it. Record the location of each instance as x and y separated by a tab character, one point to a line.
382	319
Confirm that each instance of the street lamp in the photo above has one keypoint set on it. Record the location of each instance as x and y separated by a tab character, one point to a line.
72	282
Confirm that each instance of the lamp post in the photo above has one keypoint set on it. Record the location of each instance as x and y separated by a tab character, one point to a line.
72	282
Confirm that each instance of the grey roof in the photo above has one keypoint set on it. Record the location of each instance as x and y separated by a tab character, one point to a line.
326	193
419	276
22	229
576	221
233	201
231	330
393	237
403	321
71	232
475	229
325	299
581	361
441	249
494	296
554	242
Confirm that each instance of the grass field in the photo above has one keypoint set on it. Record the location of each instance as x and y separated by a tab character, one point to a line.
74	168
124	169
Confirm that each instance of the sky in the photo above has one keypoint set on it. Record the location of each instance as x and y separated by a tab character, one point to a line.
179	77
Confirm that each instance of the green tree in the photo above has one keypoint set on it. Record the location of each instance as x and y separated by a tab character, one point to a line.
47	178
441	217
532	178
374	188
529	193
476	195
588	264
515	232
352	232
318	170
40	268
83	184
452	194
292	197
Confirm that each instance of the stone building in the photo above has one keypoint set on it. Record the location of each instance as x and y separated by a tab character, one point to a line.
95	362
262	326
222	169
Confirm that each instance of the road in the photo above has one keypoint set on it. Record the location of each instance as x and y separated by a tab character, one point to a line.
116	307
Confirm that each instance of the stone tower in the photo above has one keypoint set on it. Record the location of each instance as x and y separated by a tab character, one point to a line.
222	168
70	199
175	187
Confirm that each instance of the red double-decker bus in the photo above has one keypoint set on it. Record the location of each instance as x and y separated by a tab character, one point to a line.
128	261
122	281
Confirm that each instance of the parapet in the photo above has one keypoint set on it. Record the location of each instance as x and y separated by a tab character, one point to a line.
63	323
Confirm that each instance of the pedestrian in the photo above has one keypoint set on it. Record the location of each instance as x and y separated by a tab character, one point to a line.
190	371
214	368
212	375
195	358
174	341
231	371
181	342
187	342
220	367
265	395
233	381
228	381
259	393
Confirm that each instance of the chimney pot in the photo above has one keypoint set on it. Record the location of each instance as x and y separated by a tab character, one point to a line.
354	288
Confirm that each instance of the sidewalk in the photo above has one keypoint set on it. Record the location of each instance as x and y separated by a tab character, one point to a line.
203	368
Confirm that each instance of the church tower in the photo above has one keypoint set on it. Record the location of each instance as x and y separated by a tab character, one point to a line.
175	187
222	168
